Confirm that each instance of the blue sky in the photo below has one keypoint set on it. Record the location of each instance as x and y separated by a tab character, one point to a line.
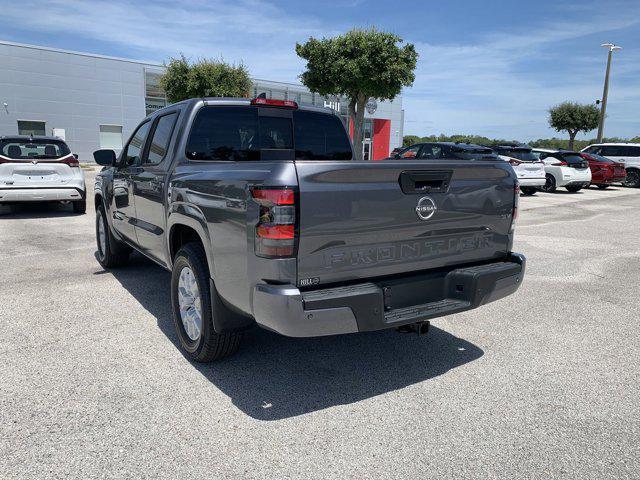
490	68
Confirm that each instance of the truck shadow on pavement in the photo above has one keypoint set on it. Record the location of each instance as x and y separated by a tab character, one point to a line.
273	377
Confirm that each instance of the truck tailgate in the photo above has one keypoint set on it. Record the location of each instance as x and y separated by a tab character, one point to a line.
363	219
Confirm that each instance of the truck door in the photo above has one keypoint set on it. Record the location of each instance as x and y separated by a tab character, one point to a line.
149	187
123	206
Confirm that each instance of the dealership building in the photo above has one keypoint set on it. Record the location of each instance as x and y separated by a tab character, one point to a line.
94	101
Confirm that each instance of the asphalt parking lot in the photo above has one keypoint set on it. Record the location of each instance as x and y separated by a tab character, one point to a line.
543	384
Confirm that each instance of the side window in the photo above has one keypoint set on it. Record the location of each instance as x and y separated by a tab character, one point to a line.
596	150
631	151
411	152
612	151
224	133
427	151
431	152
161	139
132	154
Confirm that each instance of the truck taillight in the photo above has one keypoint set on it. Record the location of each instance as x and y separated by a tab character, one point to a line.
516	202
276	232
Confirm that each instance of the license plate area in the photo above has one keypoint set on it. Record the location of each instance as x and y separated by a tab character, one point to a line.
408	291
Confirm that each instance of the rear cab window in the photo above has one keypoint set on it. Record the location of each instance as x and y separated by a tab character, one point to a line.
240	133
16	149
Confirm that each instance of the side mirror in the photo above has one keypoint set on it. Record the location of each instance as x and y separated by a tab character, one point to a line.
75	155
105	157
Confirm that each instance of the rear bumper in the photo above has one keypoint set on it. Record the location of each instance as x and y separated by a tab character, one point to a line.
573	177
384	304
532	182
40	194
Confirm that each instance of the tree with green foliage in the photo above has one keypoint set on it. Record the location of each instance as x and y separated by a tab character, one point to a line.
361	64
573	118
409	140
204	78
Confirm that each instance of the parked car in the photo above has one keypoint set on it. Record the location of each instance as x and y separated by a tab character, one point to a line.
440	150
529	169
626	153
604	171
40	169
300	240
564	168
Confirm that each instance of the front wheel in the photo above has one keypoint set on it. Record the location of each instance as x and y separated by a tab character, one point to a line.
633	179
528	190
194	304
111	253
550	185
573	188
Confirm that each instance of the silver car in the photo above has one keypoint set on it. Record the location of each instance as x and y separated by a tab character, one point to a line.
40	169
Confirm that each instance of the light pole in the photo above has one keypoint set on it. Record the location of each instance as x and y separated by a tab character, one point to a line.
603	106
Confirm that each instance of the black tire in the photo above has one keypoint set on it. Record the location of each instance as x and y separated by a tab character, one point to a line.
113	253
528	190
573	188
79	206
633	178
602	187
550	186
209	345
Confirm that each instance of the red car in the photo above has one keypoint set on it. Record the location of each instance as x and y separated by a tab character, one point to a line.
604	172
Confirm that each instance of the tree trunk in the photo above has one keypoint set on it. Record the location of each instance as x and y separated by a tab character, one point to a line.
572	137
356	111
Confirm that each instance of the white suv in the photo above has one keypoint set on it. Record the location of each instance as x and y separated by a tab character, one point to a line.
564	168
40	169
627	153
528	168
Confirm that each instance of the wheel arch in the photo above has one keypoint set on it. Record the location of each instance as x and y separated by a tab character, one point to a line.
183	228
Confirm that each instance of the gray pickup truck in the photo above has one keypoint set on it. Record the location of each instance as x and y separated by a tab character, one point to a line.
262	216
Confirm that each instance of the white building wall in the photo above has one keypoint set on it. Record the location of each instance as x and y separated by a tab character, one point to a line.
71	91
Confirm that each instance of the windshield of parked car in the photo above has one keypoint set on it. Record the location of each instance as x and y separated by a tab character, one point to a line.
522	154
36	148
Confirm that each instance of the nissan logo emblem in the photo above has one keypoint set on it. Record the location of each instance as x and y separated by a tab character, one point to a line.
426	208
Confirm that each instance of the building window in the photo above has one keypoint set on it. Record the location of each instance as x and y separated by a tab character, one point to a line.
30	127
111	137
154	96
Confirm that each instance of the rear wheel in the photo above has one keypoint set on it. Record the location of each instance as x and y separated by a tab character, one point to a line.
550	185
111	253
574	188
79	206
633	178
528	190
194	304
602	186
